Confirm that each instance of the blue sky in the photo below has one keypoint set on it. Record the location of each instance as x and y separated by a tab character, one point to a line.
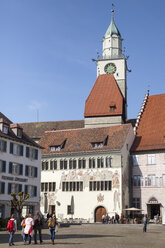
46	47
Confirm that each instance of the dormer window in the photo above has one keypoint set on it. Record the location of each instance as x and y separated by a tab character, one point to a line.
55	148
97	145
112	107
57	145
5	129
17	130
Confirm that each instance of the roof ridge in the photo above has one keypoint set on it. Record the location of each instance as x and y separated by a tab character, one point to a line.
47	121
66	130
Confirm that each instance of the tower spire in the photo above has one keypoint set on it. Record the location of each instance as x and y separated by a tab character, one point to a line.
112	29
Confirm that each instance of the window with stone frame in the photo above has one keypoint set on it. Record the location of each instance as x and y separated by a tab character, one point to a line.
63	164
16	149
2	166
151	159
100	185
92	163
81	163
100	163
14	188
53	165
72	186
108	162
45	165
3	146
15	168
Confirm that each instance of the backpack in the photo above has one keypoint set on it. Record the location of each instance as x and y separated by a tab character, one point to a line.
23	224
52	223
10	225
38	221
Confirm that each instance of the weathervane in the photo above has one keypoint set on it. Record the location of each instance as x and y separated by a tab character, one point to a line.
112	10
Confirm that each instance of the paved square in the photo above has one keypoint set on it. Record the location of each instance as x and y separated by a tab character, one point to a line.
97	236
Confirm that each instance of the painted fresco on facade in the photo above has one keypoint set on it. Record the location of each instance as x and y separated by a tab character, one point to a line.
91	175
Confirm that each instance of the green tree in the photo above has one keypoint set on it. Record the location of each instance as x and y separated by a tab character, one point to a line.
19	200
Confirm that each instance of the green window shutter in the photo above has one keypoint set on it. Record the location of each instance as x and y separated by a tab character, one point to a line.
21	169
27	170
5	146
3	166
36	154
20	187
2	187
10	167
27	152
35	172
35	190
11	147
26	189
9	188
21	150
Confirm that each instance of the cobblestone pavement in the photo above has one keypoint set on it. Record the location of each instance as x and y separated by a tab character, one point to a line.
98	236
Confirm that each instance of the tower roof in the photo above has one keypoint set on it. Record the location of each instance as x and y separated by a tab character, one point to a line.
105	98
112	29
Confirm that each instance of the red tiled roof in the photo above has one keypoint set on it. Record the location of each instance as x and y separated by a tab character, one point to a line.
104	93
151	129
80	140
37	129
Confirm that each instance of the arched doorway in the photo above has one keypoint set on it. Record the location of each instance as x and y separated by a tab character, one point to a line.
99	212
153	207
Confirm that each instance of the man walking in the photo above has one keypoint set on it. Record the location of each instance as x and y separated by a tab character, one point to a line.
37	227
145	223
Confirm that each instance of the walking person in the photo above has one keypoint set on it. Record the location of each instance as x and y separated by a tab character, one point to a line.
12	228
37	227
29	223
52	226
23	228
145	223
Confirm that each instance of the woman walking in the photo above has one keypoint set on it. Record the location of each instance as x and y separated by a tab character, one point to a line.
29	223
23	228
52	226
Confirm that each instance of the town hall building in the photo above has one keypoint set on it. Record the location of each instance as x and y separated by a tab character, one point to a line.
85	171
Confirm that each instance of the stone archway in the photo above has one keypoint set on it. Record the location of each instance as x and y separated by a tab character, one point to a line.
153	207
99	212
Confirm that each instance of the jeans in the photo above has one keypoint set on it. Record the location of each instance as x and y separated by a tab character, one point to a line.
144	227
27	236
35	234
23	235
11	238
52	232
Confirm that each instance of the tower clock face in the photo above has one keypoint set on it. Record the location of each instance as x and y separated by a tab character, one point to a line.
110	68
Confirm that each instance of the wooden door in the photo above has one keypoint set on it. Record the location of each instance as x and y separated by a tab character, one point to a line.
100	211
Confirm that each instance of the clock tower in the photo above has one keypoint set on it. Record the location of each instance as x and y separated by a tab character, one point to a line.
106	104
112	60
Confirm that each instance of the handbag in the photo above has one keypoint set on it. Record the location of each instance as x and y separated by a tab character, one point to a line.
56	228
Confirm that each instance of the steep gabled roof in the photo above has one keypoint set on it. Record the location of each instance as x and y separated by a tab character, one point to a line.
151	129
80	140
105	93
